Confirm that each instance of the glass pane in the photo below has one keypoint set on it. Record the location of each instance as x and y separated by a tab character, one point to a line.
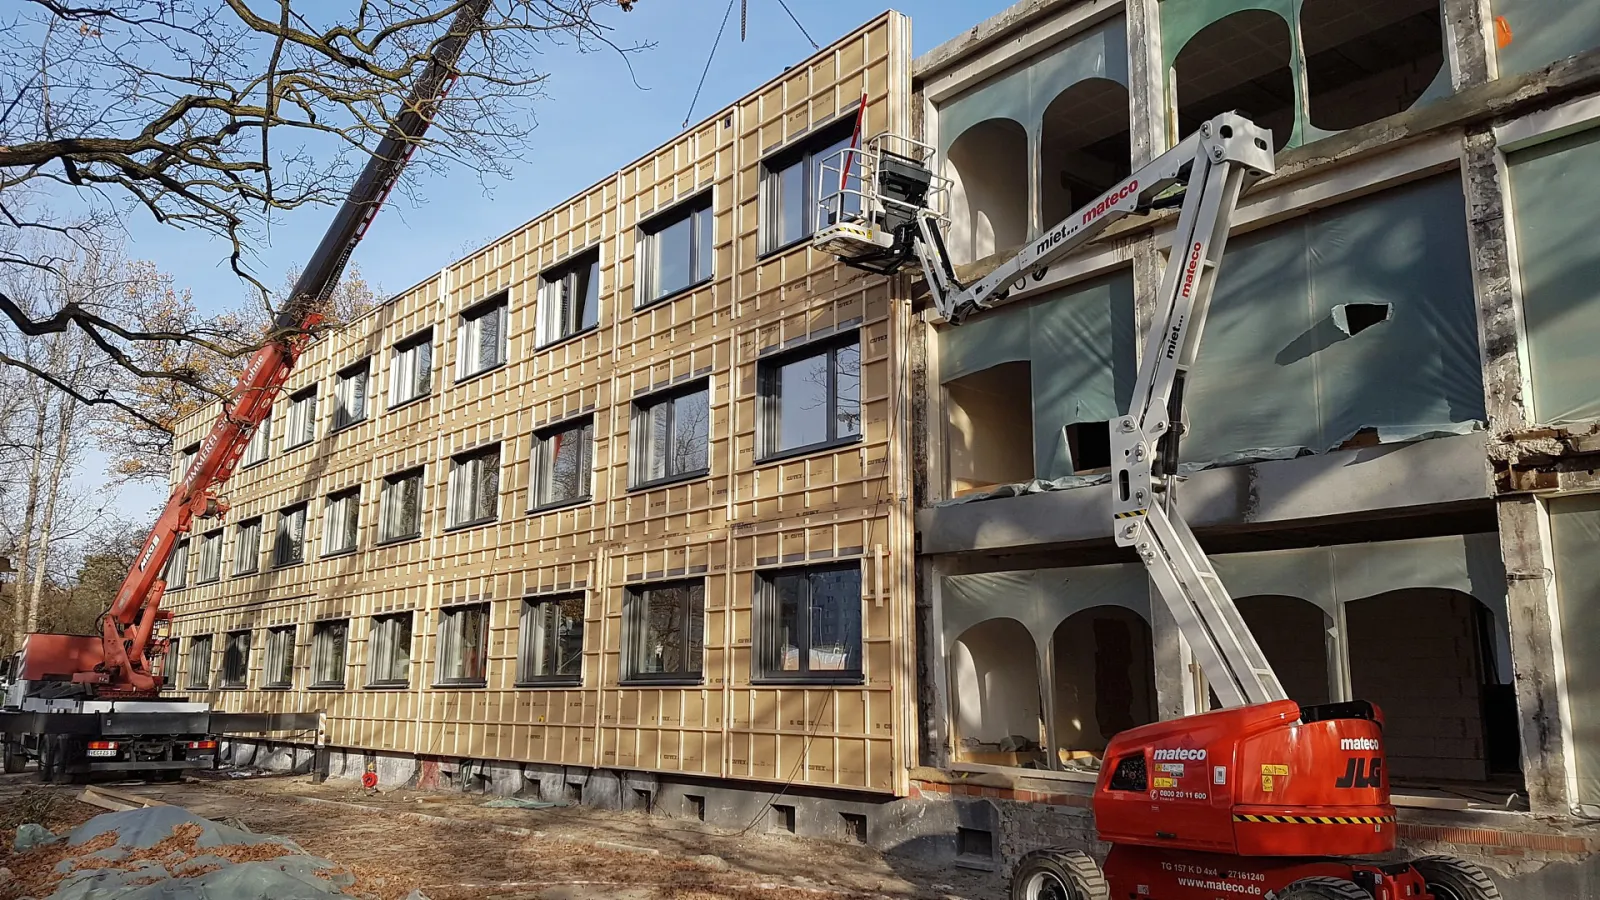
670	252
691	432
705	251
847	406
564	475
844	167
424	368
803	402
836	621
790	204
662	641
788	601
589	312
657	441
697	627
472	649
486	486
567	647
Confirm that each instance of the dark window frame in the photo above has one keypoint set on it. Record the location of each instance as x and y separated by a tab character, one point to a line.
218	535
420	339
769	398
805	152
278	558
541	459
501	301
225	681
389	481
765	668
203	670
239	547
639	423
308	392
645	293
274	635
408	619
531	611
318	629
447	632
352	494
364	369
183	546
635	629
456	461
583	266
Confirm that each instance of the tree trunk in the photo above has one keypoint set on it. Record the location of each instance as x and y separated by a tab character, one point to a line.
30	509
58	469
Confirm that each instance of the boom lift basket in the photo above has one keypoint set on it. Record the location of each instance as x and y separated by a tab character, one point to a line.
872	199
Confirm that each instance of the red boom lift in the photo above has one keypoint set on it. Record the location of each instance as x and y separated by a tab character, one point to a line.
68	689
1264	798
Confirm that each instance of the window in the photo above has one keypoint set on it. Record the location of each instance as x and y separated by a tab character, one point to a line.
289	546
350	395
793	181
236	660
389	651
260	441
400	507
464	644
210	557
810	624
247	546
185	459
169	665
562	457
665	632
302	428
550	645
177	575
482	337
812	398
341	520
569	298
411	368
475	487
279	669
200	662
675	251
671	436
327	653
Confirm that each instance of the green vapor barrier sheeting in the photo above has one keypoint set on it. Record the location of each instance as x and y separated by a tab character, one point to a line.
1024	92
1079	341
1556	207
1181	20
1543	31
1575	543
1276	370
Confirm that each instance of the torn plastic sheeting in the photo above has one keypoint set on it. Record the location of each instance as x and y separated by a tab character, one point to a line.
522	803
1036	486
1275	370
1079	343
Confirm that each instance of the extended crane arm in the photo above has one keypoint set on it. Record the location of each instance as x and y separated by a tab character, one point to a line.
895	219
126	627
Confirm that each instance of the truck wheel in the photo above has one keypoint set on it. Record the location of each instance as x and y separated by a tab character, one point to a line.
1323	888
15	759
1058	875
48	759
1449	878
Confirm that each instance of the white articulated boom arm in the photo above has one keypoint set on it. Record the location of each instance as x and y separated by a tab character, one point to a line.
1215	164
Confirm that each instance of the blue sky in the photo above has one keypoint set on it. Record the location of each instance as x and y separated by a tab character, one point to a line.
593	121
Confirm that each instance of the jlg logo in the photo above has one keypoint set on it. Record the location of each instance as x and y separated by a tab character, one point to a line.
1362	772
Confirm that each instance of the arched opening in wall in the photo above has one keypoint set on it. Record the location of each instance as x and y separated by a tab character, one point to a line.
1366	59
1293	633
994	695
1426	657
988	168
1085	149
1239	62
989	428
1103	672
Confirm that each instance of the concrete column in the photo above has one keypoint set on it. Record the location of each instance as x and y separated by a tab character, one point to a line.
1147	80
1523	520
1468	37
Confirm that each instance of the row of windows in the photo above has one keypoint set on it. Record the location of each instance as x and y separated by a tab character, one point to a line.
809	400
674	255
808	629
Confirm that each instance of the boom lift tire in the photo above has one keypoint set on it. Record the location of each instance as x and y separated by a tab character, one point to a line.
1059	875
1323	889
49	759
1449	878
15	759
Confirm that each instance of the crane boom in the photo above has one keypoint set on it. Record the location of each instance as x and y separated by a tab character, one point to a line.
121	661
893	218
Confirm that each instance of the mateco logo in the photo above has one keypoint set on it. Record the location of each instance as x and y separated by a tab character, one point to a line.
1181	754
1359	744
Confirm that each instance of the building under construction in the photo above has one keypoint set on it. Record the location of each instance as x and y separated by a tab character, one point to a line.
651	505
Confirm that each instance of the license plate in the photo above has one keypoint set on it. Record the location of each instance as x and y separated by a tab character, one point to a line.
102	753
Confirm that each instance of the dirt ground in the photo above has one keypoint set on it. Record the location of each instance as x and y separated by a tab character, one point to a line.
453	848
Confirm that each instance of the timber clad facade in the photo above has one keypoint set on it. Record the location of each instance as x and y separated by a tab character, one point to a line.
633	490
470	459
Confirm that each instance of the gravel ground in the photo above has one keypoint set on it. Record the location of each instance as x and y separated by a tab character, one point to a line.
453	848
